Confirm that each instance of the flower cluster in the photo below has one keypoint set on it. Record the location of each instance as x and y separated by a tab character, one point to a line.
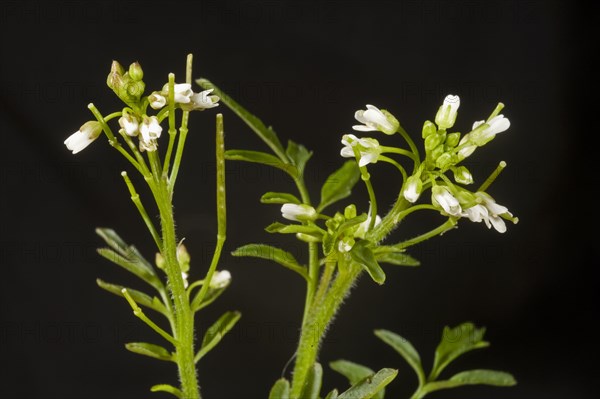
443	153
134	120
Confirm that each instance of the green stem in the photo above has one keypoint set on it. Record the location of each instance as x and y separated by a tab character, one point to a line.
449	224
395	150
314	328
184	317
412	146
313	255
135	197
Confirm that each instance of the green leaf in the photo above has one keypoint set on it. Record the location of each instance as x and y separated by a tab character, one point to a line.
216	332
339	184
139	297
151	350
167	388
298	155
362	254
332	395
280	390
211	295
354	372
405	349
395	258
275	254
294	228
267	134
454	343
128	257
312	388
262	158
472	377
370	386
279	198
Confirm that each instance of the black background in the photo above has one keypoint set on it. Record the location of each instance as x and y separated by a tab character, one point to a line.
303	68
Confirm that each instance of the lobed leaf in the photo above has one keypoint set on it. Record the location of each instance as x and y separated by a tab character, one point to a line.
405	349
151	350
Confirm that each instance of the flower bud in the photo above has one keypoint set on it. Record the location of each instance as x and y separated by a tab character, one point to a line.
446	115
220	279
135	71
462	175
433	141
413	188
298	212
183	257
160	261
428	129
444	161
452	140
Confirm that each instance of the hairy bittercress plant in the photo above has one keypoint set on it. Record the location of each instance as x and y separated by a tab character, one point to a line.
341	244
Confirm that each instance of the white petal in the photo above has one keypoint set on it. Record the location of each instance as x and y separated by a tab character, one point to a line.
347	152
363	128
476	124
498	224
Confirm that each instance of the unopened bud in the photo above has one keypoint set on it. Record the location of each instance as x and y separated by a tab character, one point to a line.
428	129
136	72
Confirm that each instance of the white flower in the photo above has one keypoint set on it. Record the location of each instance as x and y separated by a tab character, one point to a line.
489	130
369	149
86	134
184	276
150	130
129	124
441	196
375	119
203	100
157	100
413	188
362	229
220	279
298	212
182	92
477	213
345	246
495	211
446	115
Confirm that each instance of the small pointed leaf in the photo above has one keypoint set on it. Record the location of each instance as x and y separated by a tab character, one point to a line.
298	155
262	158
370	386
405	349
167	388
355	372
279	198
362	254
339	184
293	229
151	350
139	297
280	390
216	332
267	134
396	258
332	395
275	254
473	377
211	295
312	388
454	343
